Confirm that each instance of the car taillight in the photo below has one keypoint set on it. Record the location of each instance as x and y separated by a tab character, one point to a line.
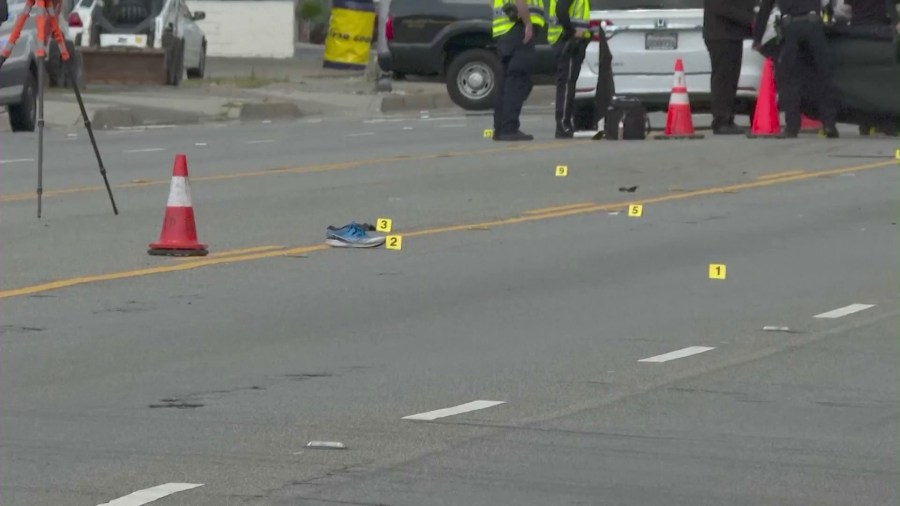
389	28
602	23
75	20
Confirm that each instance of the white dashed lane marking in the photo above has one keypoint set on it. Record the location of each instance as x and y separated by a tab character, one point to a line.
17	160
144	150
149	495
685	352
844	311
456	410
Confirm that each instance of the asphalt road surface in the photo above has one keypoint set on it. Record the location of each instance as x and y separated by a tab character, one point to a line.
532	343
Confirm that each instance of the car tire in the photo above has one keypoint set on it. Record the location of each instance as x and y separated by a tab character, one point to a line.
583	116
23	116
77	69
176	70
472	78
200	71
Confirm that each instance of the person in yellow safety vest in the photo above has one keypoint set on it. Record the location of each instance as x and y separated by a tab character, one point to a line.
570	35
517	24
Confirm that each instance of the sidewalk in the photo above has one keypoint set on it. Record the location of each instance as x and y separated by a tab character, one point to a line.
250	89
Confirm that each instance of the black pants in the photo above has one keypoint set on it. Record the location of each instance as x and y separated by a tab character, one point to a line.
806	67
606	86
515	83
725	58
569	57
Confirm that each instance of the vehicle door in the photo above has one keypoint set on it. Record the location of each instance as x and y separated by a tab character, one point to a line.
647	36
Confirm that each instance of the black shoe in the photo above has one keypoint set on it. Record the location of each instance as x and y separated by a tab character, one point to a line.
832	132
515	136
565	135
789	134
729	129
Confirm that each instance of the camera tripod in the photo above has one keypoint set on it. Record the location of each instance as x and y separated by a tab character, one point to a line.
48	20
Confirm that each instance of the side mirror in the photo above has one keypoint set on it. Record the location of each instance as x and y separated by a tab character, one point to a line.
199	15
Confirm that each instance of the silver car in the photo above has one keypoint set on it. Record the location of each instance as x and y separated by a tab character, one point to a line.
18	76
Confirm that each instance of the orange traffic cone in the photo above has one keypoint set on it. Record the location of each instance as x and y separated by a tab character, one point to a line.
179	232
766	121
679	123
808	124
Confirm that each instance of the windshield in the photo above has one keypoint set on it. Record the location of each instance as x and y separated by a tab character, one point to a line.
616	5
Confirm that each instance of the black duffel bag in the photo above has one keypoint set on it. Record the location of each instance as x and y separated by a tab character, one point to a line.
626	119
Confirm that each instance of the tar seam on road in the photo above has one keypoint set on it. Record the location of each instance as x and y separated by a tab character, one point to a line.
206	262
303	169
844	311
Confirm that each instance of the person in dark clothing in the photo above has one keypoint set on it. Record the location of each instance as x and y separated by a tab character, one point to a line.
514	36
725	26
803	35
569	35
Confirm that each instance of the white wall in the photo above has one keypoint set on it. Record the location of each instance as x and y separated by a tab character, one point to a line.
241	28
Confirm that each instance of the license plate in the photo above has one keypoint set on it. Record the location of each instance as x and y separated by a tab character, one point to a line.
661	41
122	40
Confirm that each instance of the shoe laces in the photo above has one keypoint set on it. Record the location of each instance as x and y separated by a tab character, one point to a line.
356	230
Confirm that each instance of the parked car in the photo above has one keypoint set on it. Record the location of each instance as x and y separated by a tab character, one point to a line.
450	39
18	76
645	39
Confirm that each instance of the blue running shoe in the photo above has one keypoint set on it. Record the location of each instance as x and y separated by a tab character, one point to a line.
351	236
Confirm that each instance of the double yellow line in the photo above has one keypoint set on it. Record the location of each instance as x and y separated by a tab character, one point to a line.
263	252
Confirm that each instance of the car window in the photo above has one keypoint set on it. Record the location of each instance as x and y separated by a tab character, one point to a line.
617	5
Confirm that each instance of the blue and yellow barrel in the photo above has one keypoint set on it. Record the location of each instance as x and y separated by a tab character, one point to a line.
349	34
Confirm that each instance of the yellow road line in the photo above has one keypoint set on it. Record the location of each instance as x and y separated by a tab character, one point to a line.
322	167
232	252
206	262
776	175
543	210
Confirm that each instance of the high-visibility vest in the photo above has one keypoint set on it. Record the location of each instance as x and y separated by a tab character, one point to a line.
579	13
503	24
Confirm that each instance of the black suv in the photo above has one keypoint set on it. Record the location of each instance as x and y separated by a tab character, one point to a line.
451	39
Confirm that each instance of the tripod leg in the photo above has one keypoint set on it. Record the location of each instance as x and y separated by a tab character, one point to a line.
87	125
41	84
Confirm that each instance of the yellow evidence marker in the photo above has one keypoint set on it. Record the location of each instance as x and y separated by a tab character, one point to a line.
716	271
384	224
488	133
562	170
635	210
393	242
897	154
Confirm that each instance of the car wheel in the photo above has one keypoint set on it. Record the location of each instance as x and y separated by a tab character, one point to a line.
77	69
176	70
23	116
472	79
583	117
200	71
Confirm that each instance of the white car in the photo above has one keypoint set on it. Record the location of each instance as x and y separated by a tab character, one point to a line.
645	38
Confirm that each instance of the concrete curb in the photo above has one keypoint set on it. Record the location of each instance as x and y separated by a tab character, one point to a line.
133	116
541	95
269	111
